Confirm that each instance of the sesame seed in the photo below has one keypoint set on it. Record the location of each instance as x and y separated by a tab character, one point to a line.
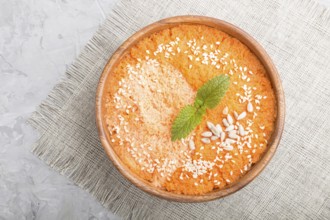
250	107
225	110
191	145
235	114
228	147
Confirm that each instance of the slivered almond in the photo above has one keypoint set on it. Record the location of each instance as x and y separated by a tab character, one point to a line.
206	140
222	136
207	134
241	116
230	128
233	135
213	138
214	130
209	124
232	132
230	141
219	128
225	122
230	119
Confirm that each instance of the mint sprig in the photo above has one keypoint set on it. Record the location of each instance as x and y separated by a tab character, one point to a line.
212	91
208	97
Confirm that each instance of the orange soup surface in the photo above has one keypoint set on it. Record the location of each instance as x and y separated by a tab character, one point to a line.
161	75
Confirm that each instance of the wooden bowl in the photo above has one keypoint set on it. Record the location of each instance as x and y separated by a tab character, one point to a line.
246	39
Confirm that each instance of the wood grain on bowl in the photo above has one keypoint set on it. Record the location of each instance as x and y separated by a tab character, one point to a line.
233	31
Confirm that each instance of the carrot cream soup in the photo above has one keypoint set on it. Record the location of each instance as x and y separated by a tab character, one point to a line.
161	75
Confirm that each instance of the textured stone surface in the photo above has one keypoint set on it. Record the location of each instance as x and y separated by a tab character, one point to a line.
38	40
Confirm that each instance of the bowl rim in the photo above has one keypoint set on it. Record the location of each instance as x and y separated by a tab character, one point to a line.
233	31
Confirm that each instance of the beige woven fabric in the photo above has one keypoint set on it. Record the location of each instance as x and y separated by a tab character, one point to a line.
295	185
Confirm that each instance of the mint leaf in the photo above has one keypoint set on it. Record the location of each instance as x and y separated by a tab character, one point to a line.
188	118
208	96
198	103
212	91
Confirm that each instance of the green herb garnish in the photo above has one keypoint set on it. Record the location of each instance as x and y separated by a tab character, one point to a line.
208	97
